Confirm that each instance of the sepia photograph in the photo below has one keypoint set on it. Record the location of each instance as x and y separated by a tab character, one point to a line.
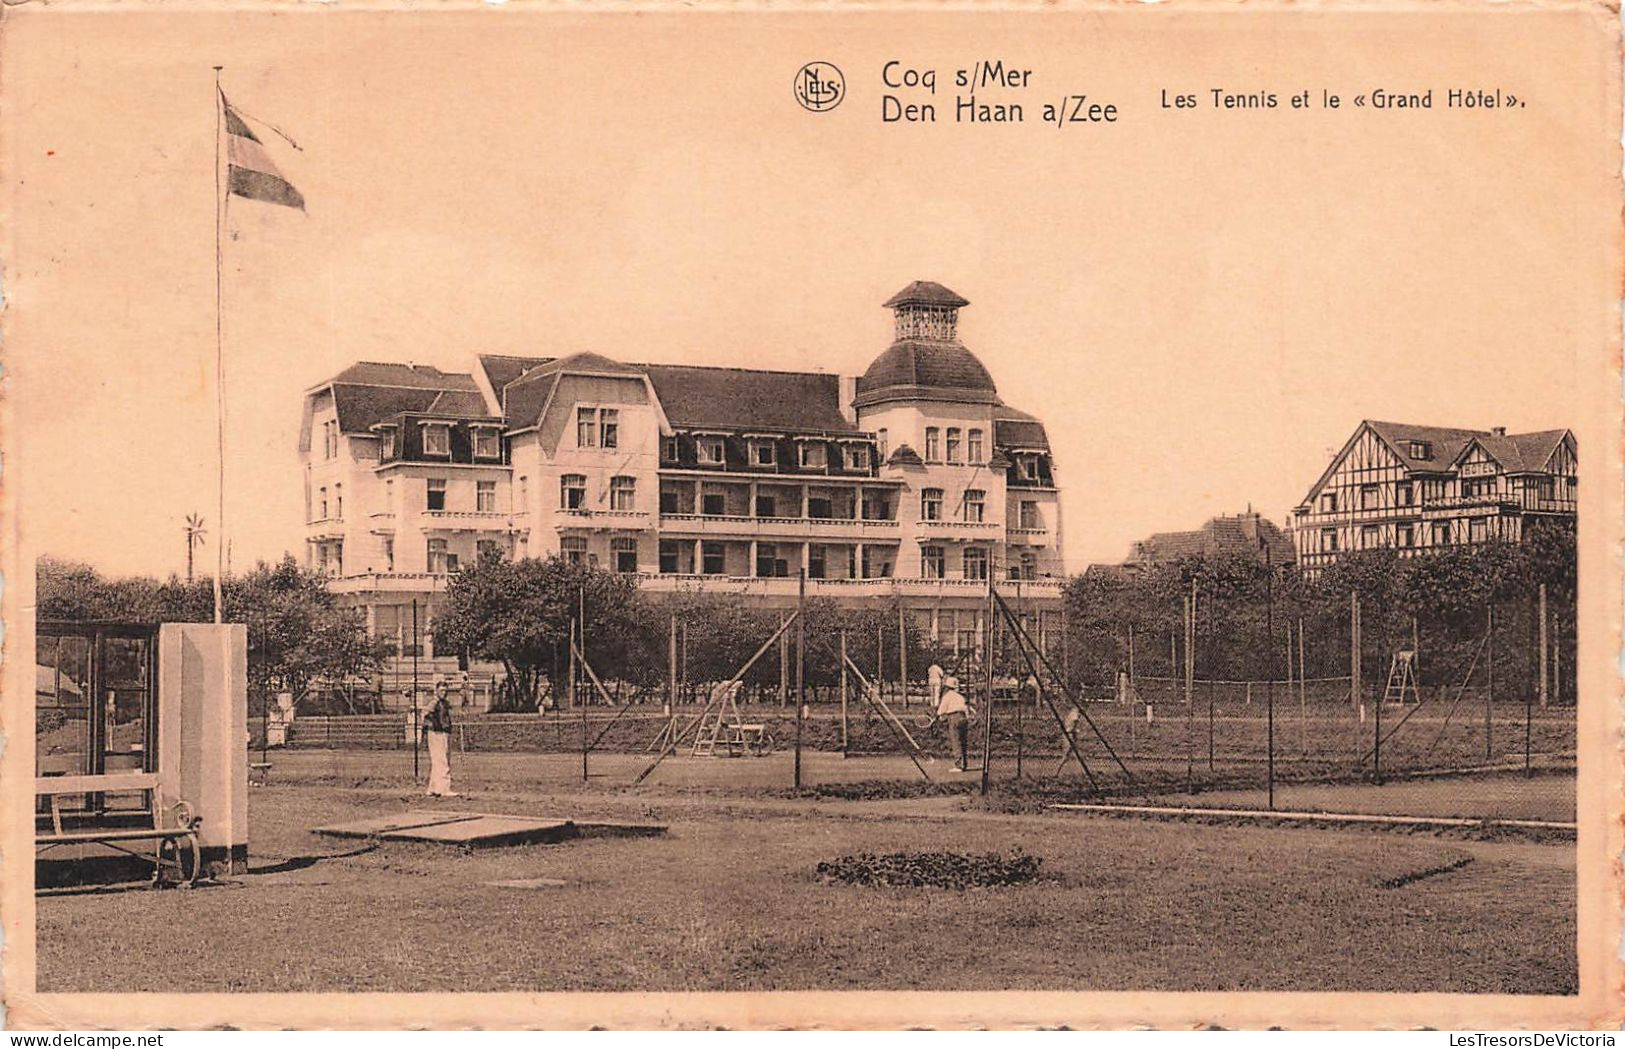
713	505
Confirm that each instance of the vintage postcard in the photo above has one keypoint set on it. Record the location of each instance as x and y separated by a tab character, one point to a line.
1003	515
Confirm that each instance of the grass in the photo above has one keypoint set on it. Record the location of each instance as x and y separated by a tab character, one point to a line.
730	900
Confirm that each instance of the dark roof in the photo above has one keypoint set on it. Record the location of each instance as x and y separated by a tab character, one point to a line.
501	369
1522	452
360	407
1019	433
459	404
913	365
1236	535
1445	443
926	293
905	455
416	376
524	398
747	399
582	362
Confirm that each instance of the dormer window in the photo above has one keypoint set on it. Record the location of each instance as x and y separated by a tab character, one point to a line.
763	453
437	439
1027	467
708	449
857	457
487	443
814	455
330	439
1420	450
668	449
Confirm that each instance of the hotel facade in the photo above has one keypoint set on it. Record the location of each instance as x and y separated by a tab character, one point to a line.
913	484
1418	489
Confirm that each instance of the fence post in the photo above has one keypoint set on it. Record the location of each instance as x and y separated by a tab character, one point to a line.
1489	689
902	653
843	695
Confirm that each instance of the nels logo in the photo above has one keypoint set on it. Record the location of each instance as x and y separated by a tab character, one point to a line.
819	86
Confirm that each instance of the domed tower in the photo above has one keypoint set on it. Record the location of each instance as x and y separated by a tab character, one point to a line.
926	361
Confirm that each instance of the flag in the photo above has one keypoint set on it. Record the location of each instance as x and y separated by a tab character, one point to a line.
250	171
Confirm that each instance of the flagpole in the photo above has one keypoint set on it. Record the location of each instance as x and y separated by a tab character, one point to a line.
219	358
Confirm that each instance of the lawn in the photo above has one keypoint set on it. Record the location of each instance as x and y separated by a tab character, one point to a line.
728	901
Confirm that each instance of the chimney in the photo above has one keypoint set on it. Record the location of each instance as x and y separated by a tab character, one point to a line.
848	385
1499	431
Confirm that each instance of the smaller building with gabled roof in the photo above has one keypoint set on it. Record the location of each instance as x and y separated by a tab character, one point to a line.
1417	489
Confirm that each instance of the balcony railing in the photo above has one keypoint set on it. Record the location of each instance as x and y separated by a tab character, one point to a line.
465	520
890	586
600	520
746	527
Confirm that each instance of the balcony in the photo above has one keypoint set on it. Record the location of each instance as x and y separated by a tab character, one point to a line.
886	588
746	527
602	520
382	523
962	530
1030	536
389	583
326	528
465	521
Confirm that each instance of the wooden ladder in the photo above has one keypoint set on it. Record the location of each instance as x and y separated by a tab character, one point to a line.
1401	678
713	723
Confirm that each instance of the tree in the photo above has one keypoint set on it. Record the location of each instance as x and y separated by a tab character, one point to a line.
297	634
519	612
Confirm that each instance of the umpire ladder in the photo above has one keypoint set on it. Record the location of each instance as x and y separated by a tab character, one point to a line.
1401	679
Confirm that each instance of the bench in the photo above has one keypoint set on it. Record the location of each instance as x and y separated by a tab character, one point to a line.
751	739
173	828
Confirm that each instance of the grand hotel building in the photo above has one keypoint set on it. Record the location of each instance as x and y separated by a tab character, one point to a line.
912	483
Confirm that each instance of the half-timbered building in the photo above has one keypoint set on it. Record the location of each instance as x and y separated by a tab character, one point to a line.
1416	489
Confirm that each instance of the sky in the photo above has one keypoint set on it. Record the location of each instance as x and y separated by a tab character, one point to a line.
1201	305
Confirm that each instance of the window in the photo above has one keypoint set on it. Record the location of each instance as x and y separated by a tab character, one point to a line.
487	443
435	494
973	446
975	563
931	504
624	552
330	438
709	450
338	501
1433	489
609	427
766	506
820	507
1478	530
573	492
391	442
1328	540
439	560
323	503
931	562
953	444
880	443
668	449
1420	450
1405	536
975	504
876	507
857	457
586	428
573	548
1370	538
763	453
933	444
668	557
623	493
815	562
766	557
1441	533
814	455
488	550
436	439
1369	499
389	553
713	558
1028	515
874	567
668	501
1328	502
485	496
713	504
1027	467
1028	569
1404	493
